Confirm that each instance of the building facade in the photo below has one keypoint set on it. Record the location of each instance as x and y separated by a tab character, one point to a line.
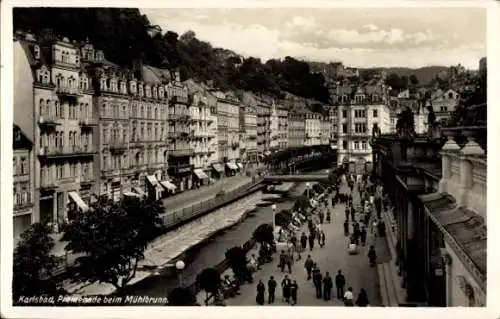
250	119
312	128
228	115
296	129
325	130
444	104
263	127
25	207
282	127
61	122
274	128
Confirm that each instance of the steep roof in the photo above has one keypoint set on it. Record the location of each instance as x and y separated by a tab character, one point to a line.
155	75
19	139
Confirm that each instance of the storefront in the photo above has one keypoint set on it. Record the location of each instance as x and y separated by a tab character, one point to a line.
75	205
218	170
200	178
115	189
231	169
170	188
182	176
154	188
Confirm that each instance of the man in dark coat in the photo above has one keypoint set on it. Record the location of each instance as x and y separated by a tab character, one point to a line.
318	280
271	288
327	287
340	284
308	265
303	241
311	241
285	285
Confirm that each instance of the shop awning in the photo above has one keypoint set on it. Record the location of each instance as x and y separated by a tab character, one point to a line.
200	173
152	179
267	153
168	185
131	194
240	165
218	167
79	201
139	191
232	166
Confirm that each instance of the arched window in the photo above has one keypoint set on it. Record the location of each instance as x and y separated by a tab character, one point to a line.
103	109
86	110
156	113
137	159
36	52
41	107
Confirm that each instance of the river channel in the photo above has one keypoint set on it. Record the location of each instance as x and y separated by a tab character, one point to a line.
213	251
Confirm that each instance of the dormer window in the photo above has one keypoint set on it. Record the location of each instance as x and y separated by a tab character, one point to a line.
133	87
148	91
103	84
77	59
123	87
36	52
99	56
141	90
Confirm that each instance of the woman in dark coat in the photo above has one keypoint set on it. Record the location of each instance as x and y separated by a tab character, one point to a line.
362	300
372	256
294	287
261	289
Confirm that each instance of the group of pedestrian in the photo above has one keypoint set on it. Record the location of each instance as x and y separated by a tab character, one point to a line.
289	289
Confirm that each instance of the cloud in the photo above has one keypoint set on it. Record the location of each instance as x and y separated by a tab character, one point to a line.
302	23
370	27
345	36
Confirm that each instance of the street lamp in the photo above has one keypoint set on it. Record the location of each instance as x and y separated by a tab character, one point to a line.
180	265
273	207
307	187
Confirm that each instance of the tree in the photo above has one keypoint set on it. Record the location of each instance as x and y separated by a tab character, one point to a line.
112	239
264	234
302	203
283	218
413	80
209	280
237	259
181	296
34	265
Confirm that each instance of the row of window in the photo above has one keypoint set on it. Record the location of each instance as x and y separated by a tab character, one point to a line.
71	111
140	158
53	172
58	139
358	128
142	89
360	113
21	166
21	194
43	75
357	145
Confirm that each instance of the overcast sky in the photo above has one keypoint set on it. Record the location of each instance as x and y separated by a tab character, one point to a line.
360	37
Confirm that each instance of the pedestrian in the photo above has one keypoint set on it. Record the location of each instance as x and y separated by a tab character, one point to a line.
293	240
289	260
308	265
321	217
328	217
372	256
327	287
271	288
294	287
318	280
348	297
285	285
340	284
261	289
362	235
282	262
353	213
311	240
362	300
303	241
346	228
347	210
322	239
374	228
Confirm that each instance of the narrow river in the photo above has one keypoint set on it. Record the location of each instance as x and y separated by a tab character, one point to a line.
213	252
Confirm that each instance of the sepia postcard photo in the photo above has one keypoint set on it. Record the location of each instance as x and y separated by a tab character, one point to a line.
249	154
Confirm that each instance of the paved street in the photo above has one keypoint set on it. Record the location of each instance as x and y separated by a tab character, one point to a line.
194	196
331	258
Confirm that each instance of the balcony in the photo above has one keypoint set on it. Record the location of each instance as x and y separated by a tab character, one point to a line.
180	152
22	201
117	147
177	99
64	152
48	184
68	91
49	120
109	172
87	122
86	180
179	117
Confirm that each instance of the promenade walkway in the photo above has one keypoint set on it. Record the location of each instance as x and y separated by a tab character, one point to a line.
332	257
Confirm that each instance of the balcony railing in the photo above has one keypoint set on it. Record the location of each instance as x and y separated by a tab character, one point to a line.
179	99
181	152
68	151
22	201
49	120
117	146
179	117
87	122
68	91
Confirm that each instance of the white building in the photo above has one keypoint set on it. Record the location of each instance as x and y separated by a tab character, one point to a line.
313	129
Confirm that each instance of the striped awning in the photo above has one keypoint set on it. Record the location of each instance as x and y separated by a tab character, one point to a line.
168	185
240	165
218	167
200	173
75	197
232	166
152	179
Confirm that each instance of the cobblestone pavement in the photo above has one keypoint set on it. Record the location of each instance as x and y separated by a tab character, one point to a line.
330	258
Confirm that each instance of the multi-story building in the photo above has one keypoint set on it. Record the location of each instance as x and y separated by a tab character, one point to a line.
242	134
180	135
213	143
357	117
228	130
334	126
313	128
296	128
251	134
444	104
263	127
325	130
57	115
282	127
25	208
274	128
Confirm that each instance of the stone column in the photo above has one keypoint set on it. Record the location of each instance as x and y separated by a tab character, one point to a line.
450	146
471	148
